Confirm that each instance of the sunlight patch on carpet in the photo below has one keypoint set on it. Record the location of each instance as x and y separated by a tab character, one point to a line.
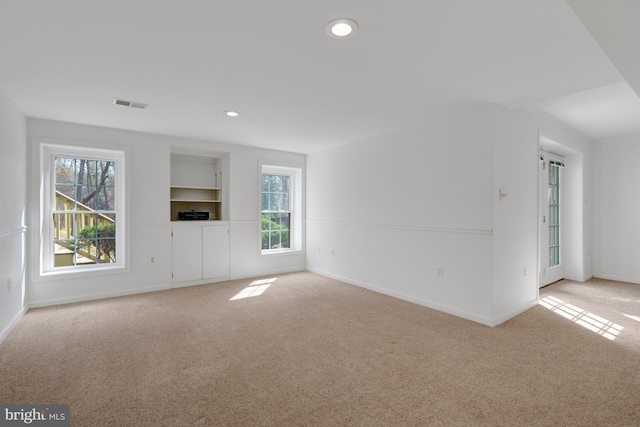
256	288
632	317
584	318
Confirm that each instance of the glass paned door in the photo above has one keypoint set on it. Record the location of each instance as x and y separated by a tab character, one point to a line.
551	267
554	215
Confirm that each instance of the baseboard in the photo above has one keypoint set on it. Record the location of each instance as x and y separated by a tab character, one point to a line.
12	324
503	318
267	273
409	298
633	280
201	282
93	297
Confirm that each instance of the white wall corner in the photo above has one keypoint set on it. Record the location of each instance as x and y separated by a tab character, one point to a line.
504	317
12	324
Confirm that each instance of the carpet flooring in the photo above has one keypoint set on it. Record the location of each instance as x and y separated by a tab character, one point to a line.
301	349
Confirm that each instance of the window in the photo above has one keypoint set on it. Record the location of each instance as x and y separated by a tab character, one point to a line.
276	211
83	208
281	209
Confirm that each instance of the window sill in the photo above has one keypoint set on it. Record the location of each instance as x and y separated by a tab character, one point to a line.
83	272
281	252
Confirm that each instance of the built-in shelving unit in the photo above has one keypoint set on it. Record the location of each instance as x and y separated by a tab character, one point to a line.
196	185
200	249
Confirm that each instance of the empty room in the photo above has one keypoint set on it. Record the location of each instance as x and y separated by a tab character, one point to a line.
336	213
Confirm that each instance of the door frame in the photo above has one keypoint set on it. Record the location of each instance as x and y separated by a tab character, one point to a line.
548	275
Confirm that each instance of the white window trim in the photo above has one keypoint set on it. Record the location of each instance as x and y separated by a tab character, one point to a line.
48	153
296	206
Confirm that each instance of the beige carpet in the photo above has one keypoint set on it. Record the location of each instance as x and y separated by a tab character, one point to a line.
307	350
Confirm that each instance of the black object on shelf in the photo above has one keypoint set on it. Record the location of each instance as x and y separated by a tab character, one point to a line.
193	216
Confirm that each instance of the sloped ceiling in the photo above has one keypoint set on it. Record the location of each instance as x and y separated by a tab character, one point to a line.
614	25
612	110
296	88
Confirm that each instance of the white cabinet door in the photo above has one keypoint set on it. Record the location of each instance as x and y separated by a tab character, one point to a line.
215	251
187	253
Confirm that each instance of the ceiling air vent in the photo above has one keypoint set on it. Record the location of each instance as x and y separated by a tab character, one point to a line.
130	103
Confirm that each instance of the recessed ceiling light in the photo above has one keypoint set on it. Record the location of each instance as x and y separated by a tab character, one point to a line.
341	28
231	113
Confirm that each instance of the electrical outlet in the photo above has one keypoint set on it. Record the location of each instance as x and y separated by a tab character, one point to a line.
439	271
524	272
333	252
152	260
8	285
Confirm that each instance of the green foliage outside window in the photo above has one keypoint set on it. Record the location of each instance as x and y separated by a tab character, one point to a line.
274	235
276	215
102	238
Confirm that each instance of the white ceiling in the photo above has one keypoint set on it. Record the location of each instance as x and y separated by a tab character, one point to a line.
298	89
603	112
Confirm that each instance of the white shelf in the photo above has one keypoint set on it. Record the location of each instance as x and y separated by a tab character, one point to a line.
191	187
196	201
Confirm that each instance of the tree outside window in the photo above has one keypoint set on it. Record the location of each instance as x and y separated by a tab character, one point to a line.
85	215
276	211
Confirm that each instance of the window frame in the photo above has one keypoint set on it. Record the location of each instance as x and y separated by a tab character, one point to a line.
296	206
48	153
288	211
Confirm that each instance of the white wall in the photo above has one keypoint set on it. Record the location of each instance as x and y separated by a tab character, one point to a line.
616	209
576	216
148	163
396	207
515	232
13	176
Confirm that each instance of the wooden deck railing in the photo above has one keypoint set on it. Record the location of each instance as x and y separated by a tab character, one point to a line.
66	229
